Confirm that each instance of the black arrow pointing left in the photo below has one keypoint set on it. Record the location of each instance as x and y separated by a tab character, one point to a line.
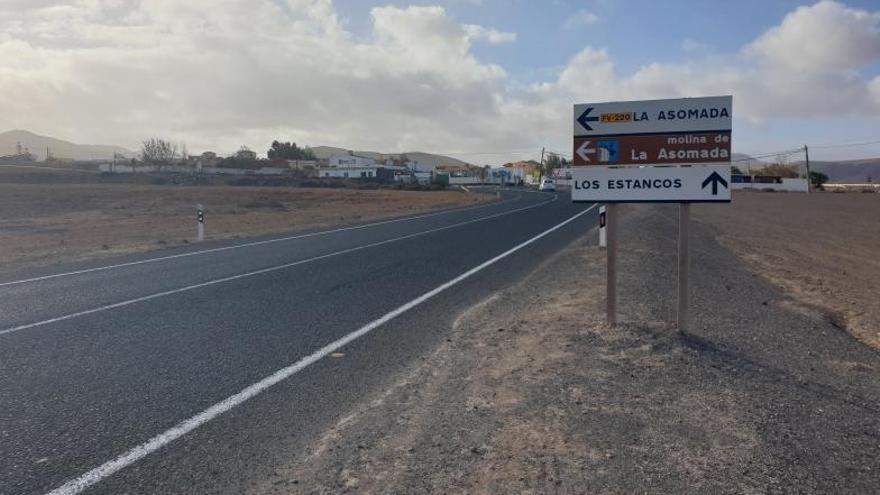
584	119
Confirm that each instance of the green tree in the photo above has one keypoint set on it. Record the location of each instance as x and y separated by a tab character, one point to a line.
243	158
818	179
289	151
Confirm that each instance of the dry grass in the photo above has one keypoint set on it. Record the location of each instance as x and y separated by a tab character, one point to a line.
48	223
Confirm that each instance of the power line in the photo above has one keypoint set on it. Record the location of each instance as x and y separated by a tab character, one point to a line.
794	151
849	145
506	152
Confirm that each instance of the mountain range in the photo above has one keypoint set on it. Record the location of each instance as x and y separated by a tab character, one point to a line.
37	145
849	171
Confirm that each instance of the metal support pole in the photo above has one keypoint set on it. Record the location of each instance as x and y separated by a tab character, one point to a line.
807	161
611	270
684	219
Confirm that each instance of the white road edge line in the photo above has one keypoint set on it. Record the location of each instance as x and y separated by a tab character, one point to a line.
107	469
156	295
247	244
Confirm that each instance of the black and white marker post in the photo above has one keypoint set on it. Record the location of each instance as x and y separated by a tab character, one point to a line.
603	221
200	223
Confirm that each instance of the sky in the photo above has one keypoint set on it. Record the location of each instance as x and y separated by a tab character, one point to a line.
488	81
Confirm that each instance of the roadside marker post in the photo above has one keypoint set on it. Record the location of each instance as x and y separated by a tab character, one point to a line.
200	222
652	151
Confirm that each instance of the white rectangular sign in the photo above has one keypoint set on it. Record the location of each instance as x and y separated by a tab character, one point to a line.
682	115
687	183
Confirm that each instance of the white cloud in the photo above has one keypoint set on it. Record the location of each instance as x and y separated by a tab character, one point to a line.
580	18
827	35
767	85
492	36
221	73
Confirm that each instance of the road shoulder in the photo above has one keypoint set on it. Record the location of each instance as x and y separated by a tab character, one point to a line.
532	393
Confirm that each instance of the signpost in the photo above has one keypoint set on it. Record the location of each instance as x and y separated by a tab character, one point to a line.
678	146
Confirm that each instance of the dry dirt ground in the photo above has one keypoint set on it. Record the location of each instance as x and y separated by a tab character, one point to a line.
50	223
823	248
532	393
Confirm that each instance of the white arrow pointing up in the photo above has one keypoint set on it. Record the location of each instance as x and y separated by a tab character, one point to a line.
584	152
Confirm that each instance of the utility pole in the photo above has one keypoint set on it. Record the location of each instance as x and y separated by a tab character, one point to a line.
542	163
807	160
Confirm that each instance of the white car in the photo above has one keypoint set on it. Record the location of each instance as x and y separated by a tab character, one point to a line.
547	185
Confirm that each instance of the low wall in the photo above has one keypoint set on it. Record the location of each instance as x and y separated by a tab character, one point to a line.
454	181
177	169
788	185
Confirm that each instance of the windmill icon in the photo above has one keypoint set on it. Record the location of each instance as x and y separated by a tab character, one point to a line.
609	151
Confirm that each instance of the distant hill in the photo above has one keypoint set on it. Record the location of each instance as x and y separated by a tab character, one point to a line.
843	171
848	171
37	145
424	161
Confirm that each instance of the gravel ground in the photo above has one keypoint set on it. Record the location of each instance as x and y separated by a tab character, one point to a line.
531	393
821	248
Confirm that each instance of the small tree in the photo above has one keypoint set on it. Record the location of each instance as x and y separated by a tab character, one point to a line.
779	170
155	151
818	179
551	163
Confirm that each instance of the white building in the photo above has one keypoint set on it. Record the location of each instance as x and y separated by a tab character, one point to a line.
351	161
767	183
343	172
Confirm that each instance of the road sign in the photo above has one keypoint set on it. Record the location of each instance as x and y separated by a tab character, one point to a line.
694	183
655	149
677	138
709	114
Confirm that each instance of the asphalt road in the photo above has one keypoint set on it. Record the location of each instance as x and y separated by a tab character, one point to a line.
201	371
